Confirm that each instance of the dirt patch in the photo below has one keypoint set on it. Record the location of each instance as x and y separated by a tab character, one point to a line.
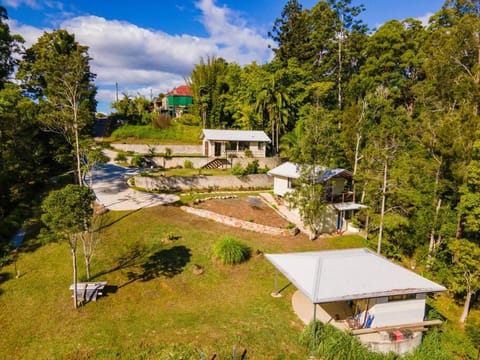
248	209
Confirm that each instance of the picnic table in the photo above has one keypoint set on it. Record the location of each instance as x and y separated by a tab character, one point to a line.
89	291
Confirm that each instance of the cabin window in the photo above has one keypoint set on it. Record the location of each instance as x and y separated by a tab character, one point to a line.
231	145
402	297
244	145
260	145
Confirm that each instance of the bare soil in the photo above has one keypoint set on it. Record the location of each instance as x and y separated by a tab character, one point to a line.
244	209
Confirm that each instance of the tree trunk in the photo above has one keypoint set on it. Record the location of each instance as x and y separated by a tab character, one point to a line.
382	211
355	164
77	144
339	77
466	307
431	246
74	264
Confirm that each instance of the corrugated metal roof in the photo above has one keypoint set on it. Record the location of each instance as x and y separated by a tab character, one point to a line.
234	135
287	169
337	275
182	90
349	206
292	170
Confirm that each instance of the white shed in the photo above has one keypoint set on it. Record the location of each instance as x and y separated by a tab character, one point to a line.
358	287
225	143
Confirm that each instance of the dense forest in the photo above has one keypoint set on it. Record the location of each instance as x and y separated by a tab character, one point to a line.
398	105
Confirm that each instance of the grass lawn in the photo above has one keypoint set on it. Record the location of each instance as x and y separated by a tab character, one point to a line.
156	304
146	134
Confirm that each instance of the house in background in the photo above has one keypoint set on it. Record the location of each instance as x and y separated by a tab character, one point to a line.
361	292
234	143
338	193
176	101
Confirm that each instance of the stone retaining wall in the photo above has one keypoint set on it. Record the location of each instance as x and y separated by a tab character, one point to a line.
201	182
143	149
242	224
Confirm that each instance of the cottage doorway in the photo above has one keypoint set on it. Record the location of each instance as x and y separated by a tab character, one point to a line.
218	149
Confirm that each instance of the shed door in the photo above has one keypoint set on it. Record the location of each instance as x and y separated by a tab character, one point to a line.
218	149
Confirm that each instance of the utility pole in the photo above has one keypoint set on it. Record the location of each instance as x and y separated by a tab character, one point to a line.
116	91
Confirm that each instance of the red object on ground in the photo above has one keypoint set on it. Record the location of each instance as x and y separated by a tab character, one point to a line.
398	335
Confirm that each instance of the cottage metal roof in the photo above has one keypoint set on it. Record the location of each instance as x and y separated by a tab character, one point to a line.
234	135
337	275
287	169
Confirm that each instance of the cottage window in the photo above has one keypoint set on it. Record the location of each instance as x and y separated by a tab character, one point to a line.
260	145
243	145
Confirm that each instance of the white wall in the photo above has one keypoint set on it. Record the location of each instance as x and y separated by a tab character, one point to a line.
280	186
396	312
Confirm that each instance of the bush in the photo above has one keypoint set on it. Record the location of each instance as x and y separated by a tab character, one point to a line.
237	170
187	164
137	161
248	153
189	119
231	251
161	121
252	168
472	330
121	157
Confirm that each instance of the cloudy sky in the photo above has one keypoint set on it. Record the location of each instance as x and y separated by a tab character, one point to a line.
149	46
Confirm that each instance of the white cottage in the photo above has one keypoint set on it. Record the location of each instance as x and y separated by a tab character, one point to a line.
338	192
361	292
237	143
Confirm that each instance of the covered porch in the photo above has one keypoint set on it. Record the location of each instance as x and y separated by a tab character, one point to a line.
359	291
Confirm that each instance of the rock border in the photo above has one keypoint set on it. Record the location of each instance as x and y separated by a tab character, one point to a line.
234	222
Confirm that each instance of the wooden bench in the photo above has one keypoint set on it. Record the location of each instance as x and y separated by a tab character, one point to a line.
89	291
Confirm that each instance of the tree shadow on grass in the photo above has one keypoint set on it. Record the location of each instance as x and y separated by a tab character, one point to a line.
165	262
133	258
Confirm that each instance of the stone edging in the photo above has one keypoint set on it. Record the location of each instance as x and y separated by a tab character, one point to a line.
231	221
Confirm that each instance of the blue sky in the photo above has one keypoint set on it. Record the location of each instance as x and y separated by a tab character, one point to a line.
149	46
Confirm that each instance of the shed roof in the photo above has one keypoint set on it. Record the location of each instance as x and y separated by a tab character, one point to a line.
338	275
234	135
293	171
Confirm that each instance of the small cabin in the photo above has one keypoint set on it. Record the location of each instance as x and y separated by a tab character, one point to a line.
234	143
361	292
338	192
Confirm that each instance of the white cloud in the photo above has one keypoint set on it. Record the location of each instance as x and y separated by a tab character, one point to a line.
424	19
29	33
17	3
141	59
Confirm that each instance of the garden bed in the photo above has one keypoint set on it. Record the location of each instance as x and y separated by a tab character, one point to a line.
244	208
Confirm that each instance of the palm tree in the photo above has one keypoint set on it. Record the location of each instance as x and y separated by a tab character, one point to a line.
272	106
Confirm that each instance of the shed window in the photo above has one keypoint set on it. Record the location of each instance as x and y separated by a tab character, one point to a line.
402	297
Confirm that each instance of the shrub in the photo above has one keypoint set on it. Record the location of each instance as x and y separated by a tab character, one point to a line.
137	161
187	164
121	157
472	330
252	168
161	121
231	251
237	170
189	119
248	153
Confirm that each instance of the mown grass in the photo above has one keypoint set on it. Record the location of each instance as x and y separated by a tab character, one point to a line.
175	134
156	303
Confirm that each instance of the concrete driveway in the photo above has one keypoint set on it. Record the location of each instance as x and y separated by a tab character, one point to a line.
109	182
